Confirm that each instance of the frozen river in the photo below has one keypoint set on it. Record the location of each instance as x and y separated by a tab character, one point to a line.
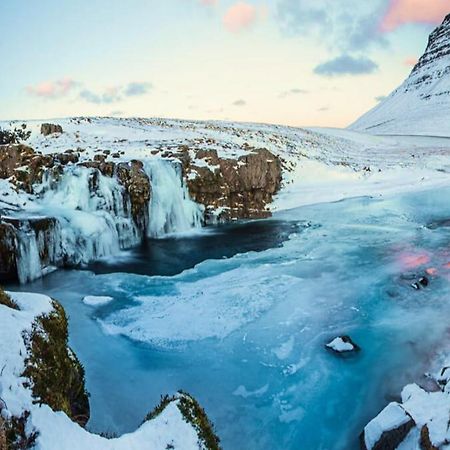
239	317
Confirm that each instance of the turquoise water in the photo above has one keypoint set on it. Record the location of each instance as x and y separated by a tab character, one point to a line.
245	334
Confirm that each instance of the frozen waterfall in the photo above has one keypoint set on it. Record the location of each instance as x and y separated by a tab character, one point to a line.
93	214
171	210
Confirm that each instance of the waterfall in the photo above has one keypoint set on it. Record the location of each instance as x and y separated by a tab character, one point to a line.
93	213
28	260
93	217
170	210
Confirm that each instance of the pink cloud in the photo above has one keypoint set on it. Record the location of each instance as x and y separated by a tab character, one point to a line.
401	12
411	62
240	16
52	89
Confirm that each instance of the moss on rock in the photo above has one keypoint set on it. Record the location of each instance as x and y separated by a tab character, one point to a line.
194	414
55	373
6	300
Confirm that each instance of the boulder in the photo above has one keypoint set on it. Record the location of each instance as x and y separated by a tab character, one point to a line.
387	430
50	128
342	344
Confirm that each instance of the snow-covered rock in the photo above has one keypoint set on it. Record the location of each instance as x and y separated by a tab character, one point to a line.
388	429
342	344
421	105
420	421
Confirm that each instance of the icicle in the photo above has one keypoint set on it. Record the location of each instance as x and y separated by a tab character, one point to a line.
170	210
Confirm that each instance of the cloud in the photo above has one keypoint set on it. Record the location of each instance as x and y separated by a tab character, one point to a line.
294	91
323	109
116	93
137	88
110	95
53	89
380	98
239	102
346	65
348	25
240	16
410	62
401	12
209	2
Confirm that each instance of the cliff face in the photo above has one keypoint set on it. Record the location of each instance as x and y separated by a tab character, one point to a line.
231	189
421	105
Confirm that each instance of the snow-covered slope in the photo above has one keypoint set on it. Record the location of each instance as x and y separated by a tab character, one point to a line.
319	164
421	105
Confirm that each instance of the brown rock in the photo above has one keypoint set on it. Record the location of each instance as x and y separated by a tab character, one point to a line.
50	128
242	187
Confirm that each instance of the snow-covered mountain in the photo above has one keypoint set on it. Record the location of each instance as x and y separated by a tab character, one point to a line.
421	105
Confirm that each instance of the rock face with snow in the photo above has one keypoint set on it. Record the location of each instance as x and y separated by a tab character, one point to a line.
421	105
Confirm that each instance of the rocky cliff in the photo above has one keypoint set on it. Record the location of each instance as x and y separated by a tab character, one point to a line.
421	105
231	189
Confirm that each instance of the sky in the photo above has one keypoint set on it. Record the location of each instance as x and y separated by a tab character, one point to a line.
292	62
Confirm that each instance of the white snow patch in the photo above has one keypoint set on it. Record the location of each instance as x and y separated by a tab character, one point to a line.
99	300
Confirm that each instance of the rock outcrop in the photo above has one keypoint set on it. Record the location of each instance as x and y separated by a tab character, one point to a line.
50	128
232	189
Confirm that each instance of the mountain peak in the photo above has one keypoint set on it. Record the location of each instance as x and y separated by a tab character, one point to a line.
421	105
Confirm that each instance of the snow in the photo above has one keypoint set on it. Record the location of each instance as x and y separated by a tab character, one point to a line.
340	346
56	430
392	417
98	300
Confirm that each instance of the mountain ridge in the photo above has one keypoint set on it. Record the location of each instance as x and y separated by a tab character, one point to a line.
421	104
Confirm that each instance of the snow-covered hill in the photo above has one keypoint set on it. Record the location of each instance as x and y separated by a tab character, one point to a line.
421	105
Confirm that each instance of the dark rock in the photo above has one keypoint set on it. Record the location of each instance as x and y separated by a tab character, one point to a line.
8	248
67	157
425	441
50	128
137	185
